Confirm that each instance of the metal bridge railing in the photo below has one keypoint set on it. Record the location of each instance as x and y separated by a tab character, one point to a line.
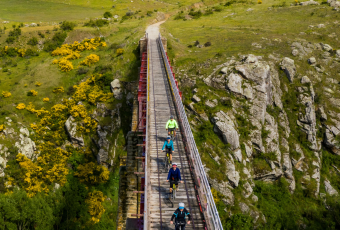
146	202
205	196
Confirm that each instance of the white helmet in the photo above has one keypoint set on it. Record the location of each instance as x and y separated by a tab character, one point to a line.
181	205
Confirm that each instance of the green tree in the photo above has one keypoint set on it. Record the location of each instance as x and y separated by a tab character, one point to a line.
67	26
107	14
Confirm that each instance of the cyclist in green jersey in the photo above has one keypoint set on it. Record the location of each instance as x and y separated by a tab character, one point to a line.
171	125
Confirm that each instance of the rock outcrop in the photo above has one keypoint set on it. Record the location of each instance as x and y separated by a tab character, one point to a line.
225	127
288	66
116	89
25	145
71	129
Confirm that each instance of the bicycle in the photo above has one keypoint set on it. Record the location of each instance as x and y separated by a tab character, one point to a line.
173	193
179	224
167	162
172	133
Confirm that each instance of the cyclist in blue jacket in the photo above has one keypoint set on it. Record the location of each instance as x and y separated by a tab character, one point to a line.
169	147
174	176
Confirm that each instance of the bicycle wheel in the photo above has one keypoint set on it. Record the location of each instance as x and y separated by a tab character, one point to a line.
174	191
166	163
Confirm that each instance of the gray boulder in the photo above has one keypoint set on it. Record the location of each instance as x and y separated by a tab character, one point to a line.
234	83
210	104
305	80
329	188
312	60
288	66
308	3
232	174
196	99
26	146
326	47
330	142
116	89
225	127
244	208
71	129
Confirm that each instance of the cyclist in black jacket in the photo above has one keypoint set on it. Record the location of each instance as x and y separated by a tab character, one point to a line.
179	216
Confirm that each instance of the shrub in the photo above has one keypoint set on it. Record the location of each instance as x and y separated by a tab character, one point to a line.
208	12
120	51
67	26
31	53
207	44
65	65
149	13
195	14
89	60
32	93
6	94
130	13
10	40
107	14
56	41
41	34
196	43
58	90
21	106
38	83
33	41
96	23
2	128
218	8
82	70
259	1
15	33
46	99
179	16
12	52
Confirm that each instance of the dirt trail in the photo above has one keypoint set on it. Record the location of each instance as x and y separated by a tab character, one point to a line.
153	30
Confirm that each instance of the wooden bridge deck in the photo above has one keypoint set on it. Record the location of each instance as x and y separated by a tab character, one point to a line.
160	106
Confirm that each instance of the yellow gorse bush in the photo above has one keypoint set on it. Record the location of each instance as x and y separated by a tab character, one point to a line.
95	208
46	99
21	106
259	1
93	94
92	173
71	52
90	60
49	168
58	89
32	93
120	51
78	111
2	128
38	83
6	94
65	65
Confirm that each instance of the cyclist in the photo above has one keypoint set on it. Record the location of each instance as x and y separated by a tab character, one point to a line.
174	176
169	147
179	216
171	125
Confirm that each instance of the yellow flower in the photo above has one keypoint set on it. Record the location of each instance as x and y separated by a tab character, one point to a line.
46	99
6	94
38	83
58	89
65	65
21	106
25	85
120	51
89	60
2	128
95	207
32	93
